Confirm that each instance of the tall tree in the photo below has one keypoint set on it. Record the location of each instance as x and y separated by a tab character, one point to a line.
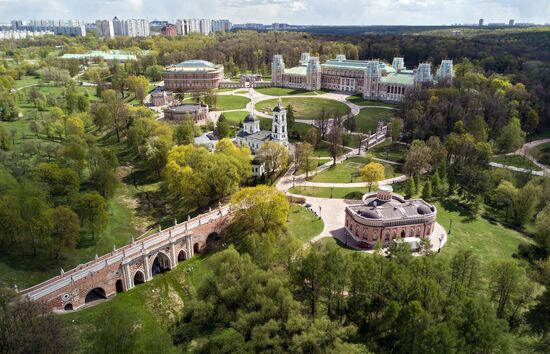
334	138
303	158
29	327
112	113
65	230
92	209
274	156
511	138
372	173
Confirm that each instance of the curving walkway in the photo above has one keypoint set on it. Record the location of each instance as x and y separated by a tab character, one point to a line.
257	97
525	152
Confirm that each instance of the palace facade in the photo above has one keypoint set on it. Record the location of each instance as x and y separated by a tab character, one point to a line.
384	216
193	75
373	79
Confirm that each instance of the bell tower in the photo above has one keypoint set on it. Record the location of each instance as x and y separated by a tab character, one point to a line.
279	131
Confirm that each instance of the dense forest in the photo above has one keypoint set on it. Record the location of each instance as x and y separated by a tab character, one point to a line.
263	291
523	56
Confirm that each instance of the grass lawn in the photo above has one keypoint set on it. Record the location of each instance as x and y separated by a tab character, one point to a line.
282	91
324	192
313	162
489	240
235	118
302	224
27	81
349	171
517	161
307	108
358	100
368	118
22	128
389	150
226	102
321	150
299	131
542	153
351	140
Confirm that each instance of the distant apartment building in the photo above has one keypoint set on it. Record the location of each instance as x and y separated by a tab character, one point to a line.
17	34
169	31
104	28
511	22
158	23
221	25
58	27
280	26
250	26
188	26
481	22
131	27
523	24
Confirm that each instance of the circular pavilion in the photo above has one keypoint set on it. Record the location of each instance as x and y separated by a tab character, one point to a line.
385	216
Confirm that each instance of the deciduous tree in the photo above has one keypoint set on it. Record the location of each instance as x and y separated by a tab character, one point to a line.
372	173
274	156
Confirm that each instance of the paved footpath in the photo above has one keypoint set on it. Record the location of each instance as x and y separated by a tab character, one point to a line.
256	97
525	151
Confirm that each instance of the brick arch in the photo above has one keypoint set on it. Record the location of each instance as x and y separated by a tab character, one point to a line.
161	264
182	255
95	294
138	277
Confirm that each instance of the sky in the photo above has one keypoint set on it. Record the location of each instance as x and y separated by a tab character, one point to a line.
306	12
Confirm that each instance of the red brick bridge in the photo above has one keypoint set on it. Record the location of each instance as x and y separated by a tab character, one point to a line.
133	264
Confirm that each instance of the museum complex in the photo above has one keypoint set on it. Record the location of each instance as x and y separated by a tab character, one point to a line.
373	79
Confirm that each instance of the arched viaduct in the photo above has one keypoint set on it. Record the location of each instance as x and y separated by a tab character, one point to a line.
133	264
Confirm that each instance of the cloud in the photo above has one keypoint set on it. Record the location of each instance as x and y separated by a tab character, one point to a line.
336	12
282	5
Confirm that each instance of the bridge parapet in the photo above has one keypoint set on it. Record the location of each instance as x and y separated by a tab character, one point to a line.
116	264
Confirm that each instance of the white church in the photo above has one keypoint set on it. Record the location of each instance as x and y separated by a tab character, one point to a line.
252	136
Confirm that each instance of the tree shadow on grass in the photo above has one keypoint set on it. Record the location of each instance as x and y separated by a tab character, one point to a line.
453	205
354	195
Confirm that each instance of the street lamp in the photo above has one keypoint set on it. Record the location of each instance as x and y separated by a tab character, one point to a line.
319	211
450	226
